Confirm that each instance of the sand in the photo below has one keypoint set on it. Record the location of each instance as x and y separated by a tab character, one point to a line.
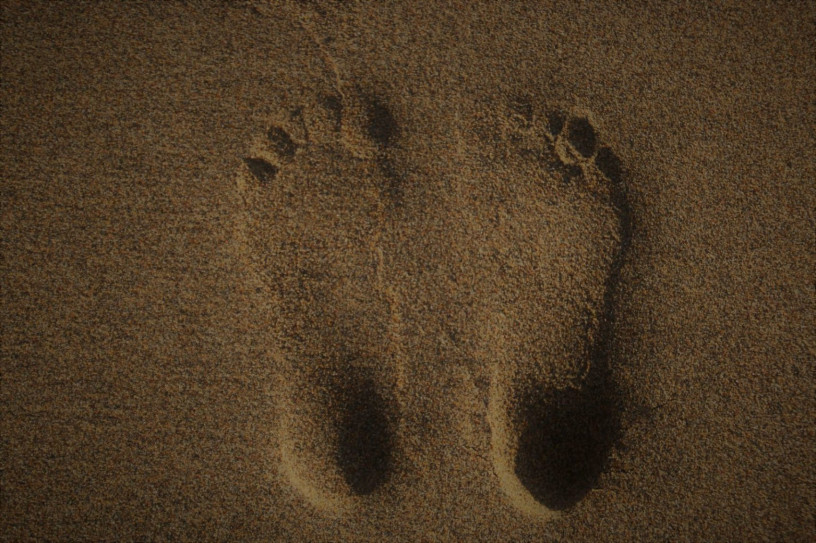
320	271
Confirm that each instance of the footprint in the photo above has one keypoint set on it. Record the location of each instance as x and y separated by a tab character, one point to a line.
512	254
318	190
553	231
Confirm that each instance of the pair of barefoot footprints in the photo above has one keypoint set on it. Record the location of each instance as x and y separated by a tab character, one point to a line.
512	256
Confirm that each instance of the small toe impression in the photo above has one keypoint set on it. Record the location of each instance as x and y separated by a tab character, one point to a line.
334	108
581	135
521	108
261	169
564	444
555	122
281	142
280	148
366	436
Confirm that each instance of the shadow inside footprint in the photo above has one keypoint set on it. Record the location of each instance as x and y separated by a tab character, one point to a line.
564	444
381	126
261	169
383	130
365	435
581	136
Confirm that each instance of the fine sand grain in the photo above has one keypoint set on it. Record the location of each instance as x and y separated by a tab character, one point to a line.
408	271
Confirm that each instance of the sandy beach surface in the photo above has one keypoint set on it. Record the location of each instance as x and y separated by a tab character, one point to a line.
408	271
